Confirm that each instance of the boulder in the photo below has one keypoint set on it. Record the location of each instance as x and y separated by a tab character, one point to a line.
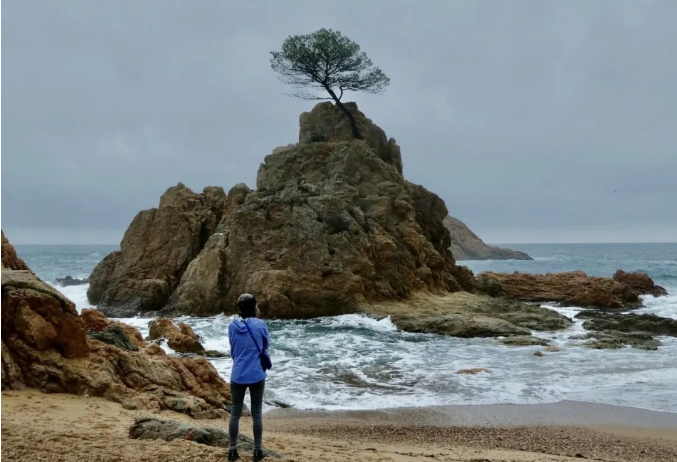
332	225
96	321
10	260
466	245
155	251
180	338
574	288
639	282
45	346
149	428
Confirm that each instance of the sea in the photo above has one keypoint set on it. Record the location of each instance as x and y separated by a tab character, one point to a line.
357	362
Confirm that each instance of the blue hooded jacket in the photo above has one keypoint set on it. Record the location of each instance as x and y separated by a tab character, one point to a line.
246	362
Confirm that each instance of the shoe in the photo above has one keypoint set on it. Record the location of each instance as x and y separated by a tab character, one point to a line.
233	455
258	455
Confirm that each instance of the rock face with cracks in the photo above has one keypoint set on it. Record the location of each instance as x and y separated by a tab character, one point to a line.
45	346
466	245
155	251
331	225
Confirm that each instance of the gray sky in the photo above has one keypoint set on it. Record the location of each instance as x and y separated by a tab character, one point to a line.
536	121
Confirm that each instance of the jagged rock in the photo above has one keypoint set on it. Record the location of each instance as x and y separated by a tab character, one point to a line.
180	338
462	314
488	285
114	335
156	250
214	354
96	321
466	245
639	282
327	123
71	281
629	322
10	260
45	346
331	226
149	428
538	353
524	340
574	288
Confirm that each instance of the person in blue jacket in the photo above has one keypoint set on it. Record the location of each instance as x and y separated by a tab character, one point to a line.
247	371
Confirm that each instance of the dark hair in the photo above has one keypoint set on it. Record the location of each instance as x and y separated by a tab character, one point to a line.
247	305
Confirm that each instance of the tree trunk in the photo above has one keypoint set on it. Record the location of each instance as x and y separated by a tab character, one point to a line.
353	124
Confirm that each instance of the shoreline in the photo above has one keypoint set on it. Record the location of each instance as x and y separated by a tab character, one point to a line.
562	413
69	428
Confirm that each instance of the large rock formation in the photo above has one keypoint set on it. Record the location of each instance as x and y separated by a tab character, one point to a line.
45	346
156	250
181	338
10	260
331	225
574	288
466	245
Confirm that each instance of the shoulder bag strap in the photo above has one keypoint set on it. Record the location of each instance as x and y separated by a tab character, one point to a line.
252	336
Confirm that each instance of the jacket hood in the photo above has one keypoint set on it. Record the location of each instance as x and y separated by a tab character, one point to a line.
238	325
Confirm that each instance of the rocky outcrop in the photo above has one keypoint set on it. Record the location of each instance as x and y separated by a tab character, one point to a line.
466	245
45	346
149	428
155	251
332	224
525	340
462	314
628	322
612	340
10	260
569	289
180	338
639	282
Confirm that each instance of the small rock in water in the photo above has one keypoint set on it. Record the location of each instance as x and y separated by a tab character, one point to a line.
474	371
214	354
553	349
71	281
538	353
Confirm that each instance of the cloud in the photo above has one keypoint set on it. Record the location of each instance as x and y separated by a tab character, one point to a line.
534	121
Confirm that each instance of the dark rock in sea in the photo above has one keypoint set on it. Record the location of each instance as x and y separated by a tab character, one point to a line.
149	428
629	322
612	339
71	281
180	337
278	403
524	340
466	245
214	354
114	335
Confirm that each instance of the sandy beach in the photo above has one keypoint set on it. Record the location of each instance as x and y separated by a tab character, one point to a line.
60	427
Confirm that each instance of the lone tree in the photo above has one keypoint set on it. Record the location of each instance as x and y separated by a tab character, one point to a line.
328	60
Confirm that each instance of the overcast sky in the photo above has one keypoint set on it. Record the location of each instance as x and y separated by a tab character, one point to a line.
536	121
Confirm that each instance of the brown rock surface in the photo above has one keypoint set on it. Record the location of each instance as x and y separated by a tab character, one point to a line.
462	314
639	282
155	251
45	346
96	321
180	338
466	245
331	225
574	288
10	260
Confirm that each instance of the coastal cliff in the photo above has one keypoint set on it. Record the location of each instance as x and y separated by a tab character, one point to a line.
466	245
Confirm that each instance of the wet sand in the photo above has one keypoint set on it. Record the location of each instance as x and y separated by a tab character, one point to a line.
59	427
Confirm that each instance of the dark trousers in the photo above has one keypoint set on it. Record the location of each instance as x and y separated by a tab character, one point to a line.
237	392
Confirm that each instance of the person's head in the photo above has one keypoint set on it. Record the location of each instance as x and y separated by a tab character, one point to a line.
247	306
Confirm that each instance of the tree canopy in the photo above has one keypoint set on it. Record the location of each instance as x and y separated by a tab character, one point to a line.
327	60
